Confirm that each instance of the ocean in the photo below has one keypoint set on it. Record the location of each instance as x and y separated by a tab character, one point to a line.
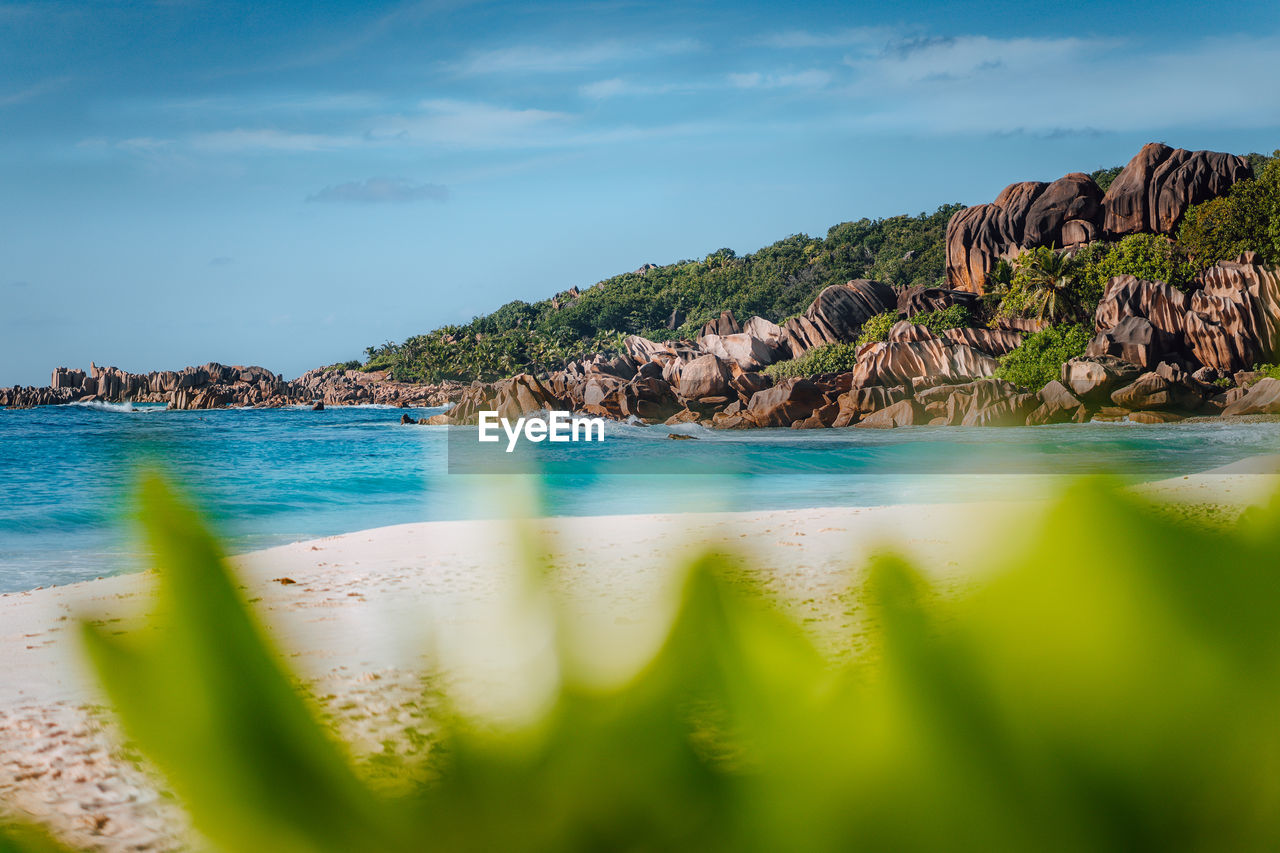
267	477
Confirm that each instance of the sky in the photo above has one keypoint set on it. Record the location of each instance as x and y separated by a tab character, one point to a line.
285	184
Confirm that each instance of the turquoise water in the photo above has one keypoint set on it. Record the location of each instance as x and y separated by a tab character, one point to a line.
274	476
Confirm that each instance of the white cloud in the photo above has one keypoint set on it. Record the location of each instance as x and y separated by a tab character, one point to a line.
801	39
536	59
380	191
600	89
616	87
144	144
811	79
32	92
244	140
977	84
466	124
274	103
912	61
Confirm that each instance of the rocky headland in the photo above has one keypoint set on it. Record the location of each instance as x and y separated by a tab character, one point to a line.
216	386
1157	356
1159	353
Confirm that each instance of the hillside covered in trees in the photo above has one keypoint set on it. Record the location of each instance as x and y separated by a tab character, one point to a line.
673	300
664	302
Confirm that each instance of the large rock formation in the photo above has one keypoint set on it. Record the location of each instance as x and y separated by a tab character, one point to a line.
1024	215
1230	322
920	298
922	363
1154	191
1262	399
837	314
995	342
1234	321
1151	195
1127	296
1093	379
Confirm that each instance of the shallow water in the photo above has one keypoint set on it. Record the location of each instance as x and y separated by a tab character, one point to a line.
272	476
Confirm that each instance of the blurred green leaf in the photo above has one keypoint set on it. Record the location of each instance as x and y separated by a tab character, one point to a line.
1113	687
201	693
26	839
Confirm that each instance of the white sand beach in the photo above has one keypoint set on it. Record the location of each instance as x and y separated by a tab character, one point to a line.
366	612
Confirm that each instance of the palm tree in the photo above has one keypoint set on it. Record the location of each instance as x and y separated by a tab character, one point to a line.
1049	280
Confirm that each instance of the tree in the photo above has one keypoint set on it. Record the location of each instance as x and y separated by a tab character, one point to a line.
1046	285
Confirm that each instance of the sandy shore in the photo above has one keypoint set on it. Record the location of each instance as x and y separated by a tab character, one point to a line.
367	611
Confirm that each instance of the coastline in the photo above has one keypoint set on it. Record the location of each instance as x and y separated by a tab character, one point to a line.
366	612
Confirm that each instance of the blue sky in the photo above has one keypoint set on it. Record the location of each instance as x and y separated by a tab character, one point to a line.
195	180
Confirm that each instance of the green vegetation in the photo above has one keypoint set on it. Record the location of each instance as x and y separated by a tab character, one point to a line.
829	358
1039	359
775	282
1246	219
780	280
1065	287
1119	694
877	328
843	357
1105	177
1267	371
952	317
1150	257
1045	285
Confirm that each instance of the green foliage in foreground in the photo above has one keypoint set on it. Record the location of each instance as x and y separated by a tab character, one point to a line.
1039	359
1113	685
775	282
828	358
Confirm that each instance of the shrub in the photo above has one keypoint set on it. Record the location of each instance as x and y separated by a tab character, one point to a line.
1268	371
1147	256
1105	177
1247	218
1039	359
877	328
830	358
951	317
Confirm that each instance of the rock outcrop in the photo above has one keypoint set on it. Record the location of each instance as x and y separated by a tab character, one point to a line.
1234	318
1092	379
1262	399
1024	215
1155	189
920	299
1150	195
214	386
923	363
837	315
